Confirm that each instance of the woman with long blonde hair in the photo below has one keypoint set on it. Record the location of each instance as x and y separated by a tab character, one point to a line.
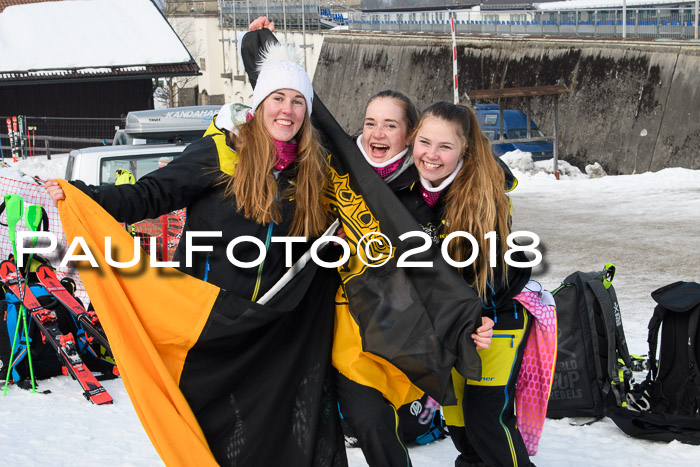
257	173
462	190
260	383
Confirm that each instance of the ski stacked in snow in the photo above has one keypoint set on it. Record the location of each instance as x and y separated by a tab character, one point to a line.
88	319
64	344
11	137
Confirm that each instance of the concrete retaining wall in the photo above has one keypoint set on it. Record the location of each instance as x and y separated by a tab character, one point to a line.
633	106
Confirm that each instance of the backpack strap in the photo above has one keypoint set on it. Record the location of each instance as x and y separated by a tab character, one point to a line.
653	339
694	387
677	297
620	339
693	321
610	312
601	296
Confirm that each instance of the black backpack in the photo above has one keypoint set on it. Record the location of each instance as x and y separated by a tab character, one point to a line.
589	377
668	401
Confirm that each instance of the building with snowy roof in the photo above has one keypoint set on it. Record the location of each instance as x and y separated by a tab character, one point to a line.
85	58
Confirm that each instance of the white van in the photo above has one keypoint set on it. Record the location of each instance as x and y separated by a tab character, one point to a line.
150	139
99	165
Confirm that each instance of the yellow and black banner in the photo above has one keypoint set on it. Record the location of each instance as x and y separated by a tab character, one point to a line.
417	318
215	378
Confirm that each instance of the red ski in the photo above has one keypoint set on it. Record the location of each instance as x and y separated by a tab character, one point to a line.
89	320
64	344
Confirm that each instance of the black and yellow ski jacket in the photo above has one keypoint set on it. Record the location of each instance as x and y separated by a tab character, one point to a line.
196	181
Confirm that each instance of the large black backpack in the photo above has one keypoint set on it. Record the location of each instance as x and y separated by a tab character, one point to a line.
589	377
668	401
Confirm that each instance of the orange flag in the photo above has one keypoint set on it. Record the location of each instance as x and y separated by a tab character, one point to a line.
150	340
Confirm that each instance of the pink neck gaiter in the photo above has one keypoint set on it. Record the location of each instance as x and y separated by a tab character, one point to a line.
384	172
431	197
286	151
286	154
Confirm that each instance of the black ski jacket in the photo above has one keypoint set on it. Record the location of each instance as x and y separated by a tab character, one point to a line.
193	181
406	187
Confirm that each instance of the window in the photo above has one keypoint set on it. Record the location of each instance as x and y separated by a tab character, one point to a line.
138	165
522	133
490	119
203	64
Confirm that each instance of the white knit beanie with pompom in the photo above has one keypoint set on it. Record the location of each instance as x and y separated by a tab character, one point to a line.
279	68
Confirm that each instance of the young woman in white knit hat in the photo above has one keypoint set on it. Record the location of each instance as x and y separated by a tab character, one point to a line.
258	173
266	170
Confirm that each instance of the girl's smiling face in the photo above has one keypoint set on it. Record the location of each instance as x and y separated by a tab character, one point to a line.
283	113
385	130
437	148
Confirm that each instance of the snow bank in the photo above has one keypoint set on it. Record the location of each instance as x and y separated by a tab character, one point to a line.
38	166
524	167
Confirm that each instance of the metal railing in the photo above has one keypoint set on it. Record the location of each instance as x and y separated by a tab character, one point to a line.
46	135
286	14
655	23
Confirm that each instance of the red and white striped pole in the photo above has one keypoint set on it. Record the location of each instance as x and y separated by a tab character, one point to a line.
454	58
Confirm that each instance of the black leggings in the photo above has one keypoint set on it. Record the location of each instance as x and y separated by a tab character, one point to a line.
374	422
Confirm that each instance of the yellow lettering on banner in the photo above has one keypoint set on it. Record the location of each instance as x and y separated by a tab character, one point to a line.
358	221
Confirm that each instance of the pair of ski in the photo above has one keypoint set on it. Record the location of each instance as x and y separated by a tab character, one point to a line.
14	133
64	344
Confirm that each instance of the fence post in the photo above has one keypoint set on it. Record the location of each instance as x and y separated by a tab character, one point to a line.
454	60
555	158
48	149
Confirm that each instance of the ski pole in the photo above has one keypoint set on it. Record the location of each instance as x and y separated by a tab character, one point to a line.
12	210
12	355
32	219
15	211
33	215
31	140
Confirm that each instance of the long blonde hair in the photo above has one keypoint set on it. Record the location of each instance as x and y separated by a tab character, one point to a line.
476	201
253	184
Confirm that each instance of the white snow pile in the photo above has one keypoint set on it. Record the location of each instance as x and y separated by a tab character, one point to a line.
13	173
523	167
37	166
595	170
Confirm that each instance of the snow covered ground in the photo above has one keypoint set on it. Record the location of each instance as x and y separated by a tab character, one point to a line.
646	224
